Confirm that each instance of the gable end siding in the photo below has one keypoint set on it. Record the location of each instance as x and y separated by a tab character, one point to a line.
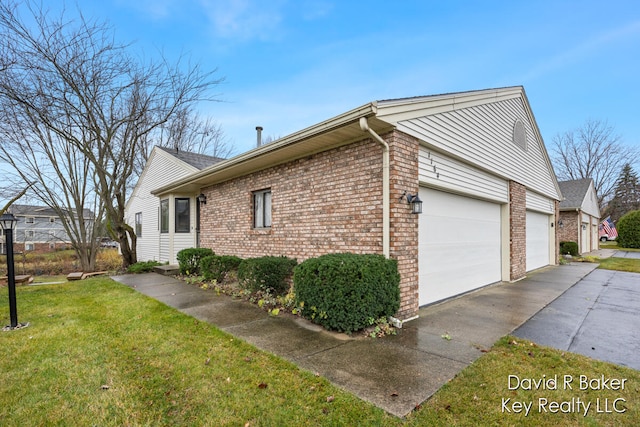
483	136
161	169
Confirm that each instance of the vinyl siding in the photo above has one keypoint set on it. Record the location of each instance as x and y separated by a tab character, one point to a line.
590	203
161	169
482	135
539	203
439	171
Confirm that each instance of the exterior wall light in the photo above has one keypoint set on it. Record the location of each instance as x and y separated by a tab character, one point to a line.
202	199
414	201
560	223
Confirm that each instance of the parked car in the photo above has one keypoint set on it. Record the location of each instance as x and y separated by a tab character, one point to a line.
607	230
106	242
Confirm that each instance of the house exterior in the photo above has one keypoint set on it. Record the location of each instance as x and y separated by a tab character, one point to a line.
475	159
38	229
579	214
165	226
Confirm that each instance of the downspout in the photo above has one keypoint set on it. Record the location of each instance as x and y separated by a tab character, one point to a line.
364	125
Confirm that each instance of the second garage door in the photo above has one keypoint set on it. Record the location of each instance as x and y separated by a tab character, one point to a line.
537	240
459	245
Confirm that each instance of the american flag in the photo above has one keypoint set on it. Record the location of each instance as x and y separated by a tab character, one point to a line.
609	228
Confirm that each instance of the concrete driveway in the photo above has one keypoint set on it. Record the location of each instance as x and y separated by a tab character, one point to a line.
598	317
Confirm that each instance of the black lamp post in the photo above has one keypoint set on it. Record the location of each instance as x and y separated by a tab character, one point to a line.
8	223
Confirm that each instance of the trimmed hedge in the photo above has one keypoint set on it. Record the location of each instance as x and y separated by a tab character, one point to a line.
189	259
346	292
570	248
142	267
216	267
629	230
267	274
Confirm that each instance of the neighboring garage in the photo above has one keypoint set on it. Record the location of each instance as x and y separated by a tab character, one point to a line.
460	244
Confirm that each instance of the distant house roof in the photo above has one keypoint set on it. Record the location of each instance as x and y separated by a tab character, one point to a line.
574	192
199	161
40	211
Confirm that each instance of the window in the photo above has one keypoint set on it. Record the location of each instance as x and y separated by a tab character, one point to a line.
30	233
28	220
183	217
262	209
139	224
164	216
29	247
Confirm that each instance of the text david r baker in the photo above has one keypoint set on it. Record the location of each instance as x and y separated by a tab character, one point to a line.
565	382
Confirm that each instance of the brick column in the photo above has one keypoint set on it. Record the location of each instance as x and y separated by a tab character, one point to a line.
517	230
403	153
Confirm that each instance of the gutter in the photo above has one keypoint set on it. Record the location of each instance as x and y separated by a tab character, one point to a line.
364	125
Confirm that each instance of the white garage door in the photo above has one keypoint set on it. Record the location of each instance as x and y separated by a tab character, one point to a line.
537	240
459	247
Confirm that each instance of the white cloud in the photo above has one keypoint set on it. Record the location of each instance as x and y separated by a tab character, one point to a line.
244	20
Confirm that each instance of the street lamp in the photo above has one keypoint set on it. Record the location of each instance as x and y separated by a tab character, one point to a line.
8	223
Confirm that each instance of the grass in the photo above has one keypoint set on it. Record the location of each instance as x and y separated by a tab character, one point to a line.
98	353
620	264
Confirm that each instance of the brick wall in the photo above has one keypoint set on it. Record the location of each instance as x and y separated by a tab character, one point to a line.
324	203
570	230
41	247
517	230
327	202
403	152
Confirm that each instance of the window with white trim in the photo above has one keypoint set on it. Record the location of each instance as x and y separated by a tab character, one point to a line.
262	208
183	215
164	216
139	224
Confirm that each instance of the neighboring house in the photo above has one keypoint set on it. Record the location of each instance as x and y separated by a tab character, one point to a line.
579	214
164	227
476	160
39	229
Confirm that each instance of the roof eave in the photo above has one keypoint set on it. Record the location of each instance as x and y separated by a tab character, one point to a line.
324	135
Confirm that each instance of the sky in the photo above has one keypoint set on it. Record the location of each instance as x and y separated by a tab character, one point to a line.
288	65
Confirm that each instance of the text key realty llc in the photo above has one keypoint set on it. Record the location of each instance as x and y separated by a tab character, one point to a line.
566	382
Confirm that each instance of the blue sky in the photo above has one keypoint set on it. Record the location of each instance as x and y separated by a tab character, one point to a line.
290	64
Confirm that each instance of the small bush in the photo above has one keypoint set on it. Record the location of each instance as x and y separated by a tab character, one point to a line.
268	274
347	292
109	260
216	267
629	230
142	267
189	259
570	248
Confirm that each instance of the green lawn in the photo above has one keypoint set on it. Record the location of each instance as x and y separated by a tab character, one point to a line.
98	353
620	264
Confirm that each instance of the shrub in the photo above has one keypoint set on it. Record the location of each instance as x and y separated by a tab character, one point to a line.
570	248
189	259
346	292
216	267
629	230
142	267
268	274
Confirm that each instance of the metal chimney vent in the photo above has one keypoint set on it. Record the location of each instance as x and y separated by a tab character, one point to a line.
259	135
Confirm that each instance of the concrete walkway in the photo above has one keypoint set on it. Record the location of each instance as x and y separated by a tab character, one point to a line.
395	373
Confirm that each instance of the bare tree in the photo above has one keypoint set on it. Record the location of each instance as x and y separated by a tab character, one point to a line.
592	151
87	94
186	130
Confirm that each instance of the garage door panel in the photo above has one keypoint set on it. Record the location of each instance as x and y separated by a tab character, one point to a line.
537	235
460	248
